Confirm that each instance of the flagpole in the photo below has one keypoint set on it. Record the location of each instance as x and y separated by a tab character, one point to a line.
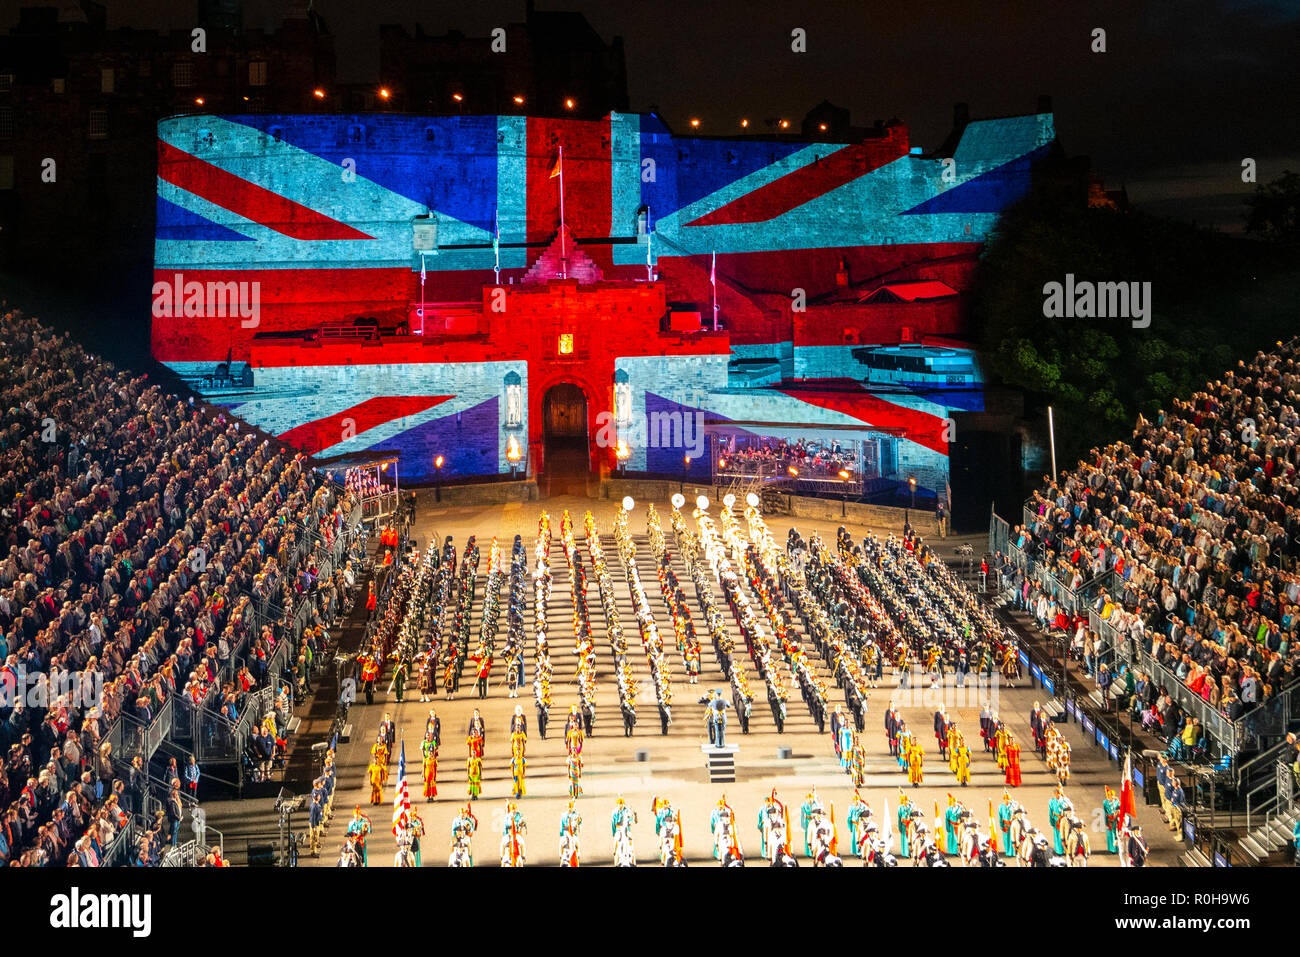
496	248
564	252
422	323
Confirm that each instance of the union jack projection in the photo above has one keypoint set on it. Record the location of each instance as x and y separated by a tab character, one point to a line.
419	285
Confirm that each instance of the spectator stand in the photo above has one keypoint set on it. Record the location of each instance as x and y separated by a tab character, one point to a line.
1199	511
140	485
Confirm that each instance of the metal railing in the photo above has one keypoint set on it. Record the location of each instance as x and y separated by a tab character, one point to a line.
1274	795
1216	724
118	852
158	730
1115	646
378	506
183	855
999	534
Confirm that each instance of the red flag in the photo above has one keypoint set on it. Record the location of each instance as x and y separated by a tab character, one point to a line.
1127	801
555	170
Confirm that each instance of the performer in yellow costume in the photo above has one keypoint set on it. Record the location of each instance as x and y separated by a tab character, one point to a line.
379	751
915	765
955	740
961	758
430	750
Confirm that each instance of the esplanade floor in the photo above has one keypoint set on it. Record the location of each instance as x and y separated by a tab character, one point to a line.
648	764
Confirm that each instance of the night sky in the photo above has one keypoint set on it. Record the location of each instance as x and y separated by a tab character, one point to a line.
1186	90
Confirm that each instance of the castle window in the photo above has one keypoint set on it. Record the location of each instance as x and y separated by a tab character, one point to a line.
514	400
566	343
622	398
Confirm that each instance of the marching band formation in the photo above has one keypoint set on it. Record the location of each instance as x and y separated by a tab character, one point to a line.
858	607
954	834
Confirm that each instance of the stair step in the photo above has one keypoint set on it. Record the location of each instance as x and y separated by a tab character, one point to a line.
1253	849
1278	835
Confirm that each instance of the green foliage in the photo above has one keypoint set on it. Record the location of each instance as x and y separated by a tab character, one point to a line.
1215	299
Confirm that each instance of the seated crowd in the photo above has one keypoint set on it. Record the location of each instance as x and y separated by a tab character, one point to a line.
138	533
777	457
1196	517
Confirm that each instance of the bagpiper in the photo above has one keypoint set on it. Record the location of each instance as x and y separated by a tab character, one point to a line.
570	826
1011	665
411	834
859	817
358	830
812	807
774	827
668	827
349	856
451	672
620	826
462	829
722	825
428	676
513	828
